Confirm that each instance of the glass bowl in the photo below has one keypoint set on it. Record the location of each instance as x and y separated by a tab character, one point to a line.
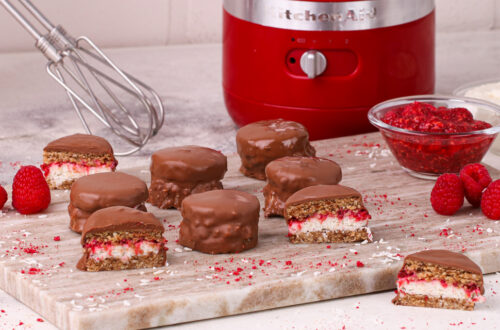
427	155
470	90
463	90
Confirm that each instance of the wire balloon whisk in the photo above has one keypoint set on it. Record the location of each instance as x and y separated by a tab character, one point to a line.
95	84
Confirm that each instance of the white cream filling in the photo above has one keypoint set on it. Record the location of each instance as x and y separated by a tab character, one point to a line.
435	289
330	223
60	173
124	252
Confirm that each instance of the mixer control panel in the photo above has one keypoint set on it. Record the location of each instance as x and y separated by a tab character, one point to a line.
313	63
321	63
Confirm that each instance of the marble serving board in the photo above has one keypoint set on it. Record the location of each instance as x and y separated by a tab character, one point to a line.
38	254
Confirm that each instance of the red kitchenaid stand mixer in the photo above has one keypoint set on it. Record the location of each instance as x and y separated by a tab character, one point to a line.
324	63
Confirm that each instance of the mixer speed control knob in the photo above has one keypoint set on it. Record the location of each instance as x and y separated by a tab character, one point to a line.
313	63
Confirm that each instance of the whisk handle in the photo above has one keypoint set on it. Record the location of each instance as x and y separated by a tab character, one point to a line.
44	44
37	14
21	19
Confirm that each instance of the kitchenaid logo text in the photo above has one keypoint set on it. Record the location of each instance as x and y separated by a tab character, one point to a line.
348	15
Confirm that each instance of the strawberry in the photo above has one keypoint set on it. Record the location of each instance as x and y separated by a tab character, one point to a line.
30	191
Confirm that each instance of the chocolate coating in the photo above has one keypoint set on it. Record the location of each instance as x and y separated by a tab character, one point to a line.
188	164
121	218
287	175
321	192
97	191
80	143
102	190
446	258
264	141
220	221
169	194
78	217
295	173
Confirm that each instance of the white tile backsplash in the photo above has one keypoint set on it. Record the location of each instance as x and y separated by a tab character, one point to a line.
195	21
497	14
108	23
158	22
465	15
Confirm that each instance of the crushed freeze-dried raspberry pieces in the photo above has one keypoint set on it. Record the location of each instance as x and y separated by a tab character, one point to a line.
447	196
31	271
435	153
490	202
31	249
424	117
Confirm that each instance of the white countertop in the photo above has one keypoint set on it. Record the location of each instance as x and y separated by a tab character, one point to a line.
33	111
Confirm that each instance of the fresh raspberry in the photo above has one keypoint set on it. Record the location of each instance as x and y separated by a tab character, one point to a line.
3	197
30	191
490	203
447	196
475	178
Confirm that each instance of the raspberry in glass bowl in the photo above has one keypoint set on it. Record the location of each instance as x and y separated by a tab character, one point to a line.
430	135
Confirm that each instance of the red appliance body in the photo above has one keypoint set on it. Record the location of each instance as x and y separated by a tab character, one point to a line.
263	77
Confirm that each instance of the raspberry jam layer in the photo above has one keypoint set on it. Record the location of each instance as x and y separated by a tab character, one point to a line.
123	251
435	154
342	220
60	172
439	289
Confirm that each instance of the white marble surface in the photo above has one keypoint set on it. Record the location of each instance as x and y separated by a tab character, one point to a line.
33	110
358	312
